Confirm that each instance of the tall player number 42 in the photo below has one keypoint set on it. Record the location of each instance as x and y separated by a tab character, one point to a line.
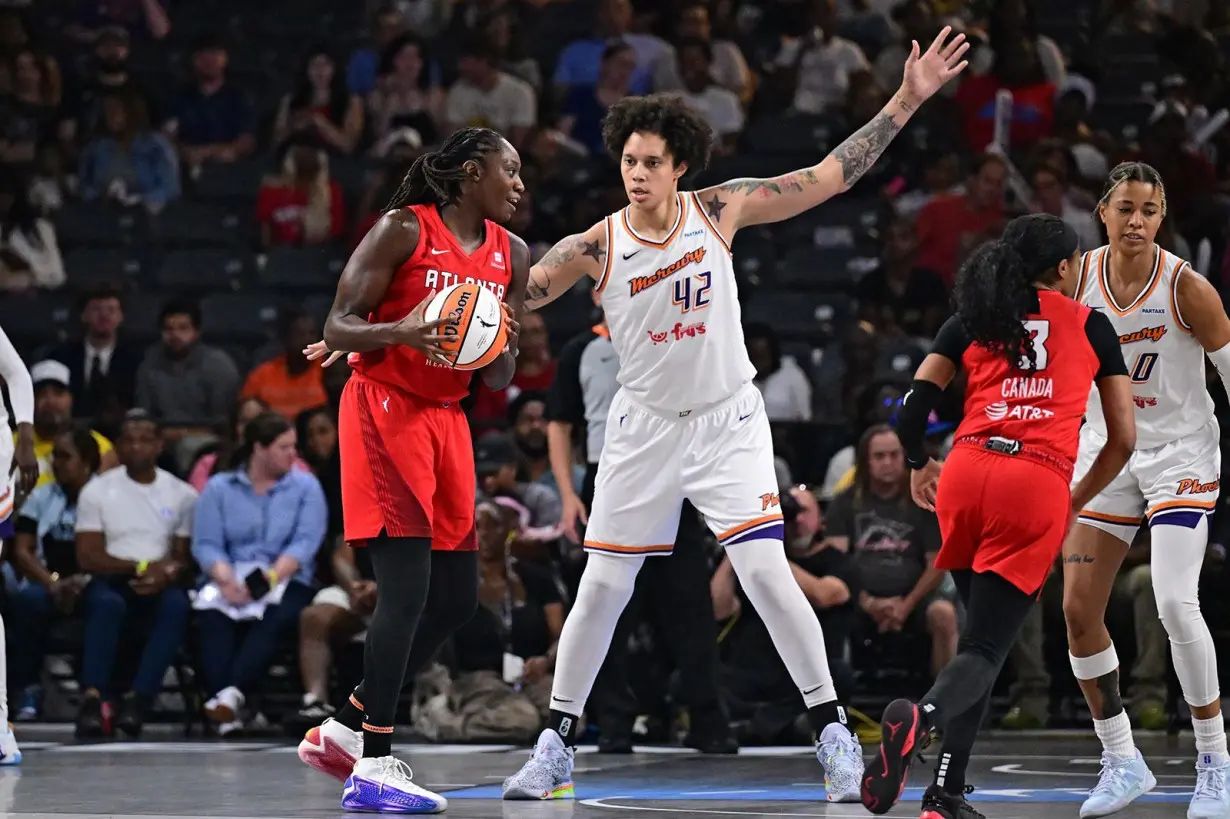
692	292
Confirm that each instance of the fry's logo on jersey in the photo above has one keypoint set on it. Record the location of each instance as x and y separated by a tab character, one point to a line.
439	279
1027	387
679	332
1143	401
1146	334
1191	486
769	499
1000	411
639	284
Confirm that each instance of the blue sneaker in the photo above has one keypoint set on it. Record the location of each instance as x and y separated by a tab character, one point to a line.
1124	779
547	775
1211	799
842	757
10	754
386	785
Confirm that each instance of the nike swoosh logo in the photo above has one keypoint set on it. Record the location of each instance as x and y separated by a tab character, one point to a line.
744	418
628	256
435	252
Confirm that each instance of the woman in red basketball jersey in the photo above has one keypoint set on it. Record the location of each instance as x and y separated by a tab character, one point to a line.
1031	355
407	458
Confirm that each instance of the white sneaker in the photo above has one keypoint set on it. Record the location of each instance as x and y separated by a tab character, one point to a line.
386	785
1210	800
10	754
547	774
1123	780
227	729
332	748
225	706
842	758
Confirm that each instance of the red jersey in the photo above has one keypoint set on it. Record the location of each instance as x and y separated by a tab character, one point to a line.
1043	411
438	262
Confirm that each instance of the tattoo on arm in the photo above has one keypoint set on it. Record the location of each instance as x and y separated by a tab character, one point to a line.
534	290
1108	687
861	150
1075	558
594	251
795	182
713	207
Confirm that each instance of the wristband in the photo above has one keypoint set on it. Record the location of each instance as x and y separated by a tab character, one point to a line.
142	567
273	577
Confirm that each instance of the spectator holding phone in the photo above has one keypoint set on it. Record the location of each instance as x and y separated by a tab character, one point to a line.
258	528
132	537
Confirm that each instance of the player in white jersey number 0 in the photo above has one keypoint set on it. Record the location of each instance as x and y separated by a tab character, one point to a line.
687	422
1167	317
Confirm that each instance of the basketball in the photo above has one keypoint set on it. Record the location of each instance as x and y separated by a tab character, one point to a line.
476	332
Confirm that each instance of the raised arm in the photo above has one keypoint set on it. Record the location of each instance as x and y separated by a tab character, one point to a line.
581	254
742	202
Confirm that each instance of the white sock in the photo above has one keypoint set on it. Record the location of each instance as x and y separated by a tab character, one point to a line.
1116	734
1210	735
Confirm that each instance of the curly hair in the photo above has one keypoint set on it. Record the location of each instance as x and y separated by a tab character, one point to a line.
994	291
1133	172
688	136
435	177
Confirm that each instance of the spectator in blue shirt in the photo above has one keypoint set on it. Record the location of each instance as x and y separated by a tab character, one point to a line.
387	25
129	164
257	531
581	59
212	120
45	555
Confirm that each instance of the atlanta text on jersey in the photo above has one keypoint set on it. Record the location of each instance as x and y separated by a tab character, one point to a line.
440	279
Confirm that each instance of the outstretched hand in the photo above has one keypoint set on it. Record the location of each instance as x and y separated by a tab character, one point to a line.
927	73
318	349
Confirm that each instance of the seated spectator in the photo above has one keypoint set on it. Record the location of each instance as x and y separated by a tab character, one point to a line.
316	432
719	106
338	613
893	544
53	416
107	72
822	62
102	363
485	96
29	253
218	457
585	106
1050	188
405	93
129	164
507	37
728	69
45	555
496	462
1017	68
1007	19
782	384
289	384
182	381
580	60
132	538
146	19
936	172
1190	179
387	24
535	364
527	417
915	21
302	205
320	110
898	296
31	111
257	531
950	226
396	153
756	686
212	119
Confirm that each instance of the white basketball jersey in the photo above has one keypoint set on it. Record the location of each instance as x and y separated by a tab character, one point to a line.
673	310
1164	360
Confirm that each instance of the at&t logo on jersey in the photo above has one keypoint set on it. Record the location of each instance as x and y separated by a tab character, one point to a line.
677	333
639	284
1000	411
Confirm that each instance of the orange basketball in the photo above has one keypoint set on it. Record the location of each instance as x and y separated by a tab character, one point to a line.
476	331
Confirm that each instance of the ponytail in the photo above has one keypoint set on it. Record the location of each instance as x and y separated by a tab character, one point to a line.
435	177
993	294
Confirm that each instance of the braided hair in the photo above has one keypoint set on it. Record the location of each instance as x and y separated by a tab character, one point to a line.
1133	172
435	177
995	291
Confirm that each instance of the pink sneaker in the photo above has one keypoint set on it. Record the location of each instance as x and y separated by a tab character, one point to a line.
332	748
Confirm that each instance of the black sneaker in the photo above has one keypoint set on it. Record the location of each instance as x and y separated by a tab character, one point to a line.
315	712
939	804
616	742
712	739
130	715
90	721
901	737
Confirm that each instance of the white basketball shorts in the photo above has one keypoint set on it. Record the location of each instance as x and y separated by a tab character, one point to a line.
1172	482
8	479
720	458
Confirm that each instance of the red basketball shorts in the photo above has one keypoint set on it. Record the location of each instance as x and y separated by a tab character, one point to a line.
407	467
1001	514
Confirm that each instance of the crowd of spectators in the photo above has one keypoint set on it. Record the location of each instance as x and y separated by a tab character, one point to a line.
179	182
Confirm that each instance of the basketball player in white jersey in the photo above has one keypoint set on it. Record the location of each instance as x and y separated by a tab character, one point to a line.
19	477
1168	318
687	422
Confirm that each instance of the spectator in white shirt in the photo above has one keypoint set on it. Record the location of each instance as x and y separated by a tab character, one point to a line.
132	536
719	106
728	68
782	383
823	62
484	96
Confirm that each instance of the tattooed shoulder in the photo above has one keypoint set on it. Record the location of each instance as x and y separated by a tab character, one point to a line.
795	182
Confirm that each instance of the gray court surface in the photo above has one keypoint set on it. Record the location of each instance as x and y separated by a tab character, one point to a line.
1018	777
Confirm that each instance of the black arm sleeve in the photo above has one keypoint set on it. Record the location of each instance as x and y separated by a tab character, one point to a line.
952	340
1105	343
565	400
916	408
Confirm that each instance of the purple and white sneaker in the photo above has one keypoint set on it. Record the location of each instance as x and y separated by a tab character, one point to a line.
385	785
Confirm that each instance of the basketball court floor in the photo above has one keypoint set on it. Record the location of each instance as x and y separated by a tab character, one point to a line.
1041	776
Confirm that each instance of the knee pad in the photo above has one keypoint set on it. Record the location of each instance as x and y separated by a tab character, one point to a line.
760	565
1178	554
609	577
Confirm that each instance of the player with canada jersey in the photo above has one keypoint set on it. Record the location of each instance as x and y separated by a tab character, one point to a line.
1168	318
1031	355
407	460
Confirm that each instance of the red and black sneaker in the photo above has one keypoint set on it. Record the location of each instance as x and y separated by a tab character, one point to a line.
901	734
939	804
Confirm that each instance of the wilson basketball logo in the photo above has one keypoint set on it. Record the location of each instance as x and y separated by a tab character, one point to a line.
475	334
457	308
